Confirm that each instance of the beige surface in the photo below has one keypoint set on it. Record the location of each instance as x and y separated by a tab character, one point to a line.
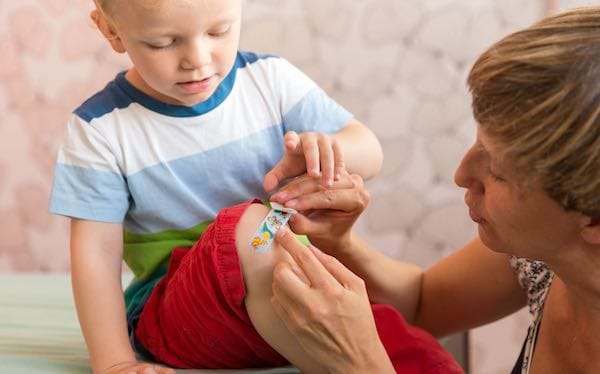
39	332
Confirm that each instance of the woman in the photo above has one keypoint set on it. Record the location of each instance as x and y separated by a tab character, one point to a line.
532	183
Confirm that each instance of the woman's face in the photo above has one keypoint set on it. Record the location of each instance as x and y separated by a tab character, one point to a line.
513	218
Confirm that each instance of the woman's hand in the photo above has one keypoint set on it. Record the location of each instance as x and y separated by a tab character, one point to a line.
327	309
326	215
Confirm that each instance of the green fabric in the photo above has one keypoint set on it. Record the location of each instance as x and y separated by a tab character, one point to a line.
148	258
139	290
145	253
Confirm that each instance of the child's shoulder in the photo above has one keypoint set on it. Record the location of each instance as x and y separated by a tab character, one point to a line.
245	58
106	100
273	66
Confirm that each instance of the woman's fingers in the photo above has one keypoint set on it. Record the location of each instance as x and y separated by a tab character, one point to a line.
348	200
315	272
288	289
310	190
291	296
342	274
306	184
321	270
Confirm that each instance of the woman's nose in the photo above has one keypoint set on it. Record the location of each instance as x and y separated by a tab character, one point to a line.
468	173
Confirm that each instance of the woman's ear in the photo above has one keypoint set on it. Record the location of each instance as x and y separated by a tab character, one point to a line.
108	30
591	231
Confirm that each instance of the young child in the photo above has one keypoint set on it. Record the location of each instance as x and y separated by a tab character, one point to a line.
181	139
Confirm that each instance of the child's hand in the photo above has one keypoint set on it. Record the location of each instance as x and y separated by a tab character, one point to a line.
138	368
317	154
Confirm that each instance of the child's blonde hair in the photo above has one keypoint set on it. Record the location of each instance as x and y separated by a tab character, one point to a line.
107	7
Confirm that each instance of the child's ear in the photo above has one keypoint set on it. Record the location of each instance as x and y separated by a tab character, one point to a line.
108	30
591	231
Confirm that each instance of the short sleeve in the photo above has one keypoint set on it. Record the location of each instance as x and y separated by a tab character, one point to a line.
88	183
304	105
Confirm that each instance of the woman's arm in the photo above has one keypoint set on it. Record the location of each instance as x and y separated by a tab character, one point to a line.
471	287
327	217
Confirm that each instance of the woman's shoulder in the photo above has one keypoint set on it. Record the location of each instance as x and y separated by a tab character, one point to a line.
535	278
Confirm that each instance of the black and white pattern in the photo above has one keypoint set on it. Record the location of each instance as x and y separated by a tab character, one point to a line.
535	277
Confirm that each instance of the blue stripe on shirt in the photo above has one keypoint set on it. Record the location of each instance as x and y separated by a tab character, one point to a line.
120	93
308	113
105	197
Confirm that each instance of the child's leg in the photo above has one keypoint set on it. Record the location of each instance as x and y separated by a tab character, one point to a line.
257	270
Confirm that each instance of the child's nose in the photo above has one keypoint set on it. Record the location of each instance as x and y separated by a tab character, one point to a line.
196	55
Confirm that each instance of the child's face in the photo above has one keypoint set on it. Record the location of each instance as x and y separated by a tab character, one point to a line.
181	49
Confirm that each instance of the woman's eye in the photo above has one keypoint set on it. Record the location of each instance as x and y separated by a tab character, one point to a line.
496	177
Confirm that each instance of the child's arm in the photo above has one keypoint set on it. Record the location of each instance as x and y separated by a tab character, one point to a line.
361	149
96	258
354	148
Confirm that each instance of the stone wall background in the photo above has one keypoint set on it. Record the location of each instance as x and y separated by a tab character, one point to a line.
398	65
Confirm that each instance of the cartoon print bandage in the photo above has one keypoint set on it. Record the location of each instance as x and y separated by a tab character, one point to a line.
265	233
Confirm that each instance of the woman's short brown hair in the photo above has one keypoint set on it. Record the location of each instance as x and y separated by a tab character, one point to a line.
536	95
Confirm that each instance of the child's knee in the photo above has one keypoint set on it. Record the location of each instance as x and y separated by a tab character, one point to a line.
257	267
248	223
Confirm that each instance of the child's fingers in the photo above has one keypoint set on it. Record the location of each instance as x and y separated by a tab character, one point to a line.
327	160
291	140
282	170
338	158
270	182
310	147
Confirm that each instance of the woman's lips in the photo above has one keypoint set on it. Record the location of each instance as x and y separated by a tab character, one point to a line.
476	217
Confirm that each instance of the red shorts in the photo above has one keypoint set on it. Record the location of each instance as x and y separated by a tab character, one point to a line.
196	317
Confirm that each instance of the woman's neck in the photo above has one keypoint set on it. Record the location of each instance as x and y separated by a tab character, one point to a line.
579	271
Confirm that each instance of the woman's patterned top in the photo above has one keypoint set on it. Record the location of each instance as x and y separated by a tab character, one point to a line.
535	278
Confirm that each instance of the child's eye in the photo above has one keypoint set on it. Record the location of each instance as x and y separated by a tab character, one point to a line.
218	33
161	45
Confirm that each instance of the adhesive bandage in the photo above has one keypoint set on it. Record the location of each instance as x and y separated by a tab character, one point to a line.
265	233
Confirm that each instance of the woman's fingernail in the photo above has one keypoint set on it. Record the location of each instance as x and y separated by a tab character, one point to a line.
281	232
292	203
